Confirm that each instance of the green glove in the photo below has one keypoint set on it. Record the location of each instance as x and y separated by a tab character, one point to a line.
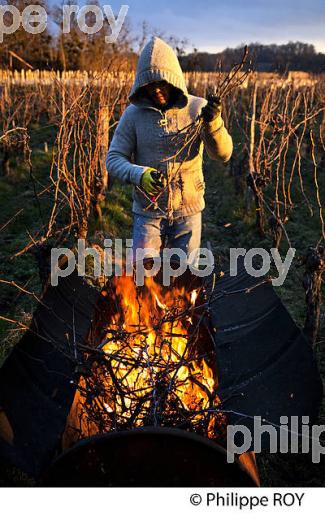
152	181
212	110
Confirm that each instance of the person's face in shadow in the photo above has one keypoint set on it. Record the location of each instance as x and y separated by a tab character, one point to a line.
159	92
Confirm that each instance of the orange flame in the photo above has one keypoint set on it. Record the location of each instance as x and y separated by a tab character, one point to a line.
161	344
154	372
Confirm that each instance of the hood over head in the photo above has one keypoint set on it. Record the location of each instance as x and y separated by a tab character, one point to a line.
158	62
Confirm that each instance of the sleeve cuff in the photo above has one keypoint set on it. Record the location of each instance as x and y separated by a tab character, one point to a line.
214	126
136	174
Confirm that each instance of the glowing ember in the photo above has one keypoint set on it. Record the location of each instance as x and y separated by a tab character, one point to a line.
193	296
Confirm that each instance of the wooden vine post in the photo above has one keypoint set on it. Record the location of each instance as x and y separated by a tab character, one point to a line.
314	262
102	177
253	179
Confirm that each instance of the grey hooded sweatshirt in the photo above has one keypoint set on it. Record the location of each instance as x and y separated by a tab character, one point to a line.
162	139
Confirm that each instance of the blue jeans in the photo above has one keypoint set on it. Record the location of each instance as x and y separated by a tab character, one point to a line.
156	233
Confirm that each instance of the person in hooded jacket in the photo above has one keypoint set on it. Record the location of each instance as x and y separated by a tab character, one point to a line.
158	148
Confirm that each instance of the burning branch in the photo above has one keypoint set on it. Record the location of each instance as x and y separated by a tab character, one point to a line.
150	369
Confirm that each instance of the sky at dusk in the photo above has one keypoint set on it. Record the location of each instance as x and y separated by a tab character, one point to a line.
213	25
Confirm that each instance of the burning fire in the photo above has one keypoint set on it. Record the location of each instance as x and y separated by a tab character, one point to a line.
152	372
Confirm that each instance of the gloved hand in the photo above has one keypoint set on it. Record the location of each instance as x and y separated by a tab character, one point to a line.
152	181
212	110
